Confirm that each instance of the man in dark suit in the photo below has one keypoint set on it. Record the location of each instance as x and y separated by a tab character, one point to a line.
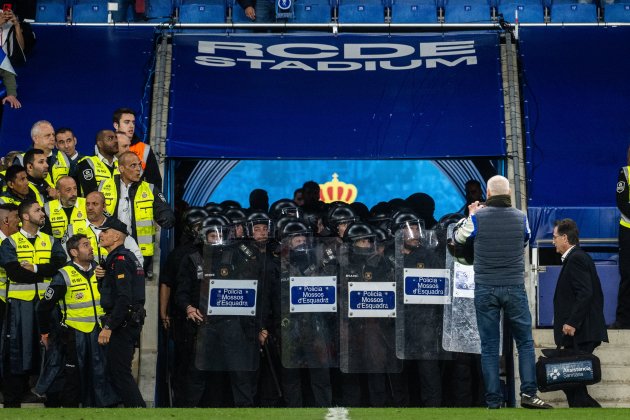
578	303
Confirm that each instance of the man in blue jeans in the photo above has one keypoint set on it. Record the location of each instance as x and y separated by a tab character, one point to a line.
500	233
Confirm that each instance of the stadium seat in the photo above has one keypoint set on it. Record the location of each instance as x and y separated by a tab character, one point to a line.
238	14
466	11
312	11
572	11
202	11
529	11
414	11
361	11
158	10
616	12
51	11
94	11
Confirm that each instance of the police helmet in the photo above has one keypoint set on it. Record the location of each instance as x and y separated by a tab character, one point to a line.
409	225
294	227
362	237
213	208
340	214
256	219
237	218
216	230
193	218
230	204
284	207
381	235
449	219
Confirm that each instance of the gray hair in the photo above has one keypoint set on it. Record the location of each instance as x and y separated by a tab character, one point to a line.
499	185
35	127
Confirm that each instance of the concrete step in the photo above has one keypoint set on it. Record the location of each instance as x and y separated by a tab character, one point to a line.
614	390
606	395
618	338
614	353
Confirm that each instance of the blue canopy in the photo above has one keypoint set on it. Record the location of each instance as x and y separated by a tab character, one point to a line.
328	97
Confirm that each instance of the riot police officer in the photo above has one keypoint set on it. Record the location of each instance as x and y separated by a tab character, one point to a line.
225	341
368	344
122	299
309	339
422	335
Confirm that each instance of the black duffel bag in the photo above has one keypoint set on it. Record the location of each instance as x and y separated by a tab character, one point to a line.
559	369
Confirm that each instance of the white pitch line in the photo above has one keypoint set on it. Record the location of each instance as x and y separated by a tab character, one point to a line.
337	413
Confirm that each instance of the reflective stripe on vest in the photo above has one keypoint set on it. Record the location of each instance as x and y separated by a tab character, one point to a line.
39	253
625	221
58	218
101	171
82	300
142	212
3	285
38	195
82	227
60	168
3	281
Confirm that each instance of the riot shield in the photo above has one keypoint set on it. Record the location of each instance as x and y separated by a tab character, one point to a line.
460	320
368	310
233	305
308	300
423	290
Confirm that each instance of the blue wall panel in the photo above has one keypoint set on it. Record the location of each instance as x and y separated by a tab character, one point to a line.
76	77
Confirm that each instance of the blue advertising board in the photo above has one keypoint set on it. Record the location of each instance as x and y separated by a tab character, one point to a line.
345	96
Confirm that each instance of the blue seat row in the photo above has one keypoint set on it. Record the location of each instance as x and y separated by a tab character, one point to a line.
350	11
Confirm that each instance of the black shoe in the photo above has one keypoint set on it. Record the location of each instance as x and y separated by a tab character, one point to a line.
33	398
532	401
618	326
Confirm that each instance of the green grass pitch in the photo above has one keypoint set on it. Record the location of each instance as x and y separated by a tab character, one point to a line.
313	413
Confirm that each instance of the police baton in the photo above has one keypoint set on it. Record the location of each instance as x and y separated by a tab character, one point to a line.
272	368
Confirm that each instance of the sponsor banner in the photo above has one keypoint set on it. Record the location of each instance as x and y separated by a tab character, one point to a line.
232	297
313	294
426	286
463	281
352	95
371	299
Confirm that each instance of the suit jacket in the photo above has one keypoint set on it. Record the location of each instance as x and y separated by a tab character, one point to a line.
579	301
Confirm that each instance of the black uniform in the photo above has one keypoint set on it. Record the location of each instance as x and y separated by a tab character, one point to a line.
309	340
122	299
229	343
182	341
423	328
371	342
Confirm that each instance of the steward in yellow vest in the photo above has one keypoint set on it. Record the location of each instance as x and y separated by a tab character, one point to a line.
92	170
37	173
136	203
74	288
30	259
18	187
67	209
9	224
58	165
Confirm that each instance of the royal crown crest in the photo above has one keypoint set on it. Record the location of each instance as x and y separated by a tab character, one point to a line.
336	190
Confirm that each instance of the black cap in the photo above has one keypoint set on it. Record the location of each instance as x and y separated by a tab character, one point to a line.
114	223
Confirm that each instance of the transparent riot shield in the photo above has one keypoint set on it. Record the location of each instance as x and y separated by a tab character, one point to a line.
309	327
423	290
232	302
460	320
368	310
